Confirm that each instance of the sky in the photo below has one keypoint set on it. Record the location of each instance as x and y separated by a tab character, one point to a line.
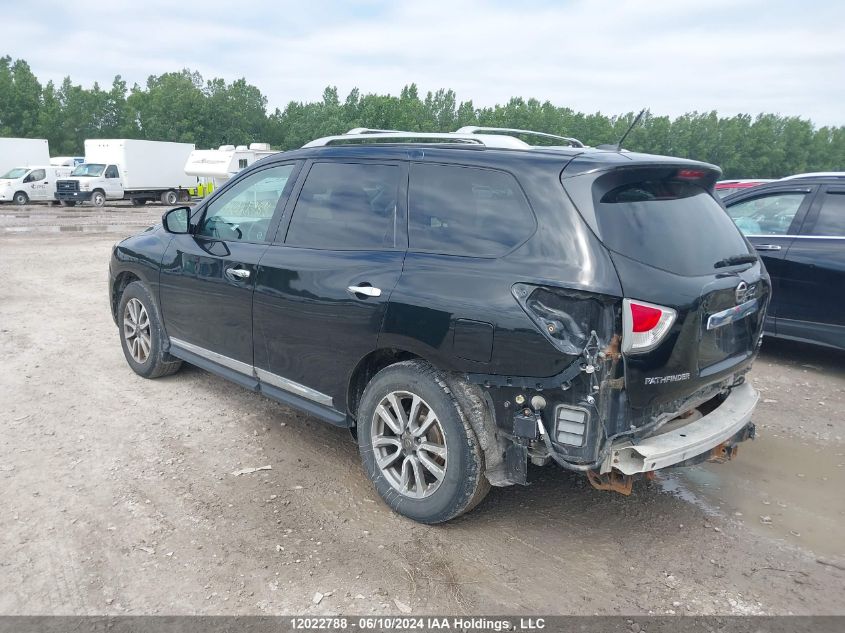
612	56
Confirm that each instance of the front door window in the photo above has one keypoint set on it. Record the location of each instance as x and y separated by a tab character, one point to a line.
243	211
767	215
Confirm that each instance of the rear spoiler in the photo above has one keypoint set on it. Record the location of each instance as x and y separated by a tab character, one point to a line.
601	161
586	179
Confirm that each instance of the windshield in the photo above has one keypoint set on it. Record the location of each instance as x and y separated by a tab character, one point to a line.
89	169
672	225
14	174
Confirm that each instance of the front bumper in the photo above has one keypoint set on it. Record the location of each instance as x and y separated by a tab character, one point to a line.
685	442
81	196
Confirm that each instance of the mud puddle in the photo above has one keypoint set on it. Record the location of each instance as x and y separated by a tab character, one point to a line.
777	487
76	228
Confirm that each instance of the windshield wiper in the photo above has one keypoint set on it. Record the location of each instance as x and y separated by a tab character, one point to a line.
735	260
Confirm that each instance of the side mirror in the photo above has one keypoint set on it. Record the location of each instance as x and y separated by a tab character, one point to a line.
177	220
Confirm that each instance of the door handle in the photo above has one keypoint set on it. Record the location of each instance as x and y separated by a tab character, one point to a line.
237	274
369	291
767	247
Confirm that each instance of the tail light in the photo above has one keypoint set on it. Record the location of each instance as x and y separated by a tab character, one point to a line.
644	325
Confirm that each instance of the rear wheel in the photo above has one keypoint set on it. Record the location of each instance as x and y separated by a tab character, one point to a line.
20	198
169	197
98	198
417	446
141	334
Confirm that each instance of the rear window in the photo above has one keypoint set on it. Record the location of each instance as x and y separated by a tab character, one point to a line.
669	224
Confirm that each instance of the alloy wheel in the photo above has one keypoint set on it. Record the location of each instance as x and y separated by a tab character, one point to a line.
136	330
409	444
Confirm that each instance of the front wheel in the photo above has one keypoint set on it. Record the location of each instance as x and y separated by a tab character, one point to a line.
20	198
68	203
98	198
417	446
141	334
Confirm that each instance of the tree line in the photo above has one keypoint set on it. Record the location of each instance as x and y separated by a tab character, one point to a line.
182	106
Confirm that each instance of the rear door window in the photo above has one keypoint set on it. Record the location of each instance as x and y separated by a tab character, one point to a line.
458	210
673	225
771	214
831	219
347	206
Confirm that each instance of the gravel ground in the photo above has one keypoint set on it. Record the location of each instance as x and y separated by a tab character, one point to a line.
119	497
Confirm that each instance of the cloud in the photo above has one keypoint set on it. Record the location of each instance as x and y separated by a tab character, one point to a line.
612	56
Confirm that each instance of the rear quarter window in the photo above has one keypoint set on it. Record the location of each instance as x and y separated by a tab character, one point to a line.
469	211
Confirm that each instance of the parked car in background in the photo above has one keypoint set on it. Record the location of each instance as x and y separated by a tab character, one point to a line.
23	185
727	187
466	303
129	169
797	224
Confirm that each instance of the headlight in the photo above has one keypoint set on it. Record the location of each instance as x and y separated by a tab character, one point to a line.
84	186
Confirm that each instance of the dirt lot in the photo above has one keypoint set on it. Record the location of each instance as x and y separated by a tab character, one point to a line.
117	493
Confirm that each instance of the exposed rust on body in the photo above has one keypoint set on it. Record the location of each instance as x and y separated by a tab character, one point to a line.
614	480
723	452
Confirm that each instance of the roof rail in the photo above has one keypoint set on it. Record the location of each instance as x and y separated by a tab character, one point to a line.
816	174
367	130
366	135
474	129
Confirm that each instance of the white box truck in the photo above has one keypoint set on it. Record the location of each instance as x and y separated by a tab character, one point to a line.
128	169
23	185
23	152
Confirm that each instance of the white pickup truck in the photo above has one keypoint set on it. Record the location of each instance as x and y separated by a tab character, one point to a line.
22	185
129	169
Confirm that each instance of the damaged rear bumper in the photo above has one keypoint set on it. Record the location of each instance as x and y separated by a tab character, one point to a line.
685	442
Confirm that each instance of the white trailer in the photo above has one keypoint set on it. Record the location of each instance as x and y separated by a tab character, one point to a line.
129	169
67	161
23	152
219	165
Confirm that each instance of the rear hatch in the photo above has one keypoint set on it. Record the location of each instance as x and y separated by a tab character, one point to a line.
695	291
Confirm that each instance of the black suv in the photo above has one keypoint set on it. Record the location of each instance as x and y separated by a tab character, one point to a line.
798	226
465	303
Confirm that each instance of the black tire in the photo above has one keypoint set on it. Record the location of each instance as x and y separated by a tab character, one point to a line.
170	197
139	202
68	203
157	362
463	485
20	198
98	198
